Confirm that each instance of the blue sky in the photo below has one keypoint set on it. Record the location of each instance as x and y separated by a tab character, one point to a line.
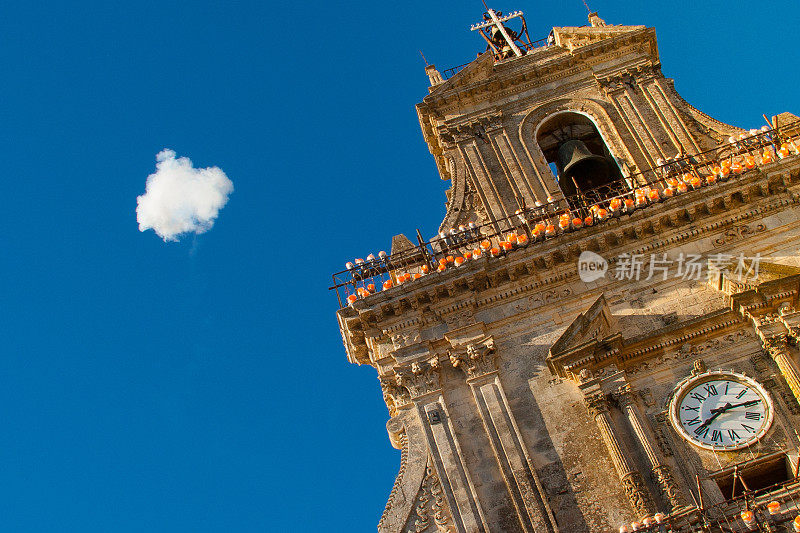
202	385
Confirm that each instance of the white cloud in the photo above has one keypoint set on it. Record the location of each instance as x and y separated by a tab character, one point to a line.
181	199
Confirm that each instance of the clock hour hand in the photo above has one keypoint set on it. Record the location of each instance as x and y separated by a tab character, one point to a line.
716	413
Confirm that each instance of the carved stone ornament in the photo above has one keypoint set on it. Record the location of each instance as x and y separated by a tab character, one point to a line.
635	490
478	359
624	395
688	350
663	476
430	503
776	345
405	338
597	404
698	367
395	395
420	378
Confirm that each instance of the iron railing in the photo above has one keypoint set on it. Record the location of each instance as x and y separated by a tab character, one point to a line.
727	516
538	223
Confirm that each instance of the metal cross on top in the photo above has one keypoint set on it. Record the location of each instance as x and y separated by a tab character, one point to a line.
501	40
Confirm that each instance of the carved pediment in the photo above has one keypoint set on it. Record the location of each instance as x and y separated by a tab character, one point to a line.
479	70
597	322
594	329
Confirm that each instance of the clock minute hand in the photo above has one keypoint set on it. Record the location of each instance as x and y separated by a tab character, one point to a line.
744	404
719	410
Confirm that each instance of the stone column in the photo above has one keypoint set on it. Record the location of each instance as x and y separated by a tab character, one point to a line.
631	479
778	348
660	471
478	361
421	378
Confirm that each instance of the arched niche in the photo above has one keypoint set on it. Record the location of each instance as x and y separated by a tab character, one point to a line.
592	111
569	139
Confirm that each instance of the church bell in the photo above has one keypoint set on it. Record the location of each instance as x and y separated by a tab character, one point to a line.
582	169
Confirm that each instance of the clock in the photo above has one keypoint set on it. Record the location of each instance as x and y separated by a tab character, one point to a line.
721	411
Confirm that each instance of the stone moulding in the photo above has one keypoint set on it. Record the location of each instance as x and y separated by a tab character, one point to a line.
678	221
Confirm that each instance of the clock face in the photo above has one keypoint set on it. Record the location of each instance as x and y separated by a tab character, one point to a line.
721	411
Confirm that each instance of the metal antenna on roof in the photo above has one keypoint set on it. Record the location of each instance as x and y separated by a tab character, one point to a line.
588	9
423	58
484	5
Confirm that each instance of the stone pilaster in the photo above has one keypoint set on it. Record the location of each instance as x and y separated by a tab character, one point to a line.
478	361
659	470
632	482
422	379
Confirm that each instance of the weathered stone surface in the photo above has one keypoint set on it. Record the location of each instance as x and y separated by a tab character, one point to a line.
525	399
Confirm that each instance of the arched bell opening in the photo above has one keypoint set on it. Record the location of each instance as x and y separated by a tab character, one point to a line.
585	169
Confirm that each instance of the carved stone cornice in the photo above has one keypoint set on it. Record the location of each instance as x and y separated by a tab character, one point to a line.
420	377
628	79
539	67
476	359
476	127
386	310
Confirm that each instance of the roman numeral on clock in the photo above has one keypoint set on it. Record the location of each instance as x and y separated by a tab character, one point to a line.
739	396
697	396
752	415
733	435
693	422
716	436
701	431
711	389
695	409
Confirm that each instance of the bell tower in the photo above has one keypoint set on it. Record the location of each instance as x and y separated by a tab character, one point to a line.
603	335
528	122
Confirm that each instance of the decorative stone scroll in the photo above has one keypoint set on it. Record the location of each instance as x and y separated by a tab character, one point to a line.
431	512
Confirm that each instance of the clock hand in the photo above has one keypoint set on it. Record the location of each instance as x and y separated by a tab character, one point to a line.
743	404
716	412
719	410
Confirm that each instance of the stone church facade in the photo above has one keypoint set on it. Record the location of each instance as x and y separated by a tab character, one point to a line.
554	360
